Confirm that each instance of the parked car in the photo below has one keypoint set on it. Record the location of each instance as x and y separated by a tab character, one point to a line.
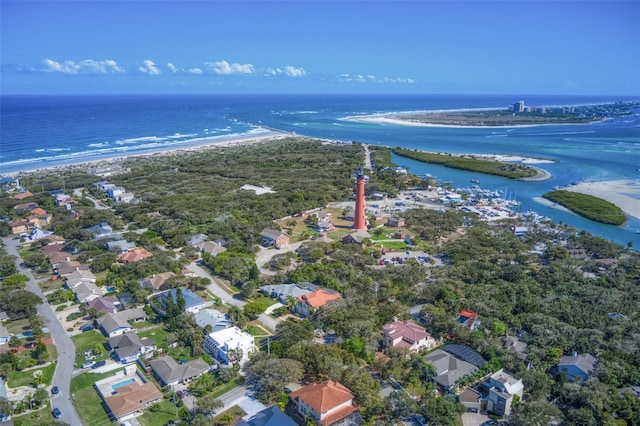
56	413
99	364
55	390
180	394
86	327
87	364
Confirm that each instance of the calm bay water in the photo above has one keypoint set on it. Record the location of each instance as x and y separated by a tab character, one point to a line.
47	131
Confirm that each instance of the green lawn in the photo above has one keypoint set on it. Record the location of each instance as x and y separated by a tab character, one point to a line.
89	406
162	415
156	334
17	326
25	378
86	380
92	339
86	398
392	245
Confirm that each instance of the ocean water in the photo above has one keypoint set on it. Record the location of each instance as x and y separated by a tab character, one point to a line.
47	131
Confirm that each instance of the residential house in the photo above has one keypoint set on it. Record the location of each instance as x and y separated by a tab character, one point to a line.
283	292
4	334
128	347
407	334
576	367
274	238
325	223
156	280
101	230
210	247
357	237
327	403
64	200
20	226
452	363
310	302
270	416
519	231
26	207
115	192
119	246
104	305
86	292
468	319
80	276
193	302
513	344
129	400
395	222
22	195
471	399
216	319
502	389
68	267
38	233
221	345
134	255
170	373
197	239
118	323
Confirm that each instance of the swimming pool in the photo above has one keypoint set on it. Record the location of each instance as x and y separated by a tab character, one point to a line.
115	386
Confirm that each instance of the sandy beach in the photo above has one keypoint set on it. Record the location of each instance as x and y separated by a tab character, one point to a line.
108	162
400	122
623	193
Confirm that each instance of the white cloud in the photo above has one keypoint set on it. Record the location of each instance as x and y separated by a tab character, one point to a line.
194	71
225	68
87	66
172	67
288	70
149	67
358	78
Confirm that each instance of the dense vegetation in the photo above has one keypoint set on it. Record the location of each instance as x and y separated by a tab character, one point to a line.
556	303
588	206
508	170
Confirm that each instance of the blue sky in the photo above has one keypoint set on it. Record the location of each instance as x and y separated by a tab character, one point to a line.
457	47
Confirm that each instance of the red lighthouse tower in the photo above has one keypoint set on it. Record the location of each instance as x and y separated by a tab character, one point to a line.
359	222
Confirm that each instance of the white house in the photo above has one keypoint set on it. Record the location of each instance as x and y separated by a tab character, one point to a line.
220	343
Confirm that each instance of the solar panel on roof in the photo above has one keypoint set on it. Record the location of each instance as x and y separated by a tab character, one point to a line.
465	353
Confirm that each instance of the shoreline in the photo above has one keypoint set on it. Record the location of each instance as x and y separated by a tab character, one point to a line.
400	122
110	160
614	191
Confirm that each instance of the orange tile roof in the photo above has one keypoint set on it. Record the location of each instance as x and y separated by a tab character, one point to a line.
22	195
319	298
325	396
131	398
135	255
468	314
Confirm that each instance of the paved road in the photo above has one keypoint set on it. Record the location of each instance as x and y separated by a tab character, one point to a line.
64	345
216	289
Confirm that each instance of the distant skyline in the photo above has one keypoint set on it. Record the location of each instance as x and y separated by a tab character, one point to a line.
333	47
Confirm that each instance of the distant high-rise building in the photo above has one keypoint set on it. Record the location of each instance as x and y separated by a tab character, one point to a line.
518	106
359	222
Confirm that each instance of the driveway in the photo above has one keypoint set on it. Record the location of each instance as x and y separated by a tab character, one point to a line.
265	255
64	345
216	288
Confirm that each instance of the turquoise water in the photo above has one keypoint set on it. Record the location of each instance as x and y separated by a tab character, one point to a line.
54	130
118	385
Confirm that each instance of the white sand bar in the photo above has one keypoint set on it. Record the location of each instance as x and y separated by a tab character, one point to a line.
623	193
